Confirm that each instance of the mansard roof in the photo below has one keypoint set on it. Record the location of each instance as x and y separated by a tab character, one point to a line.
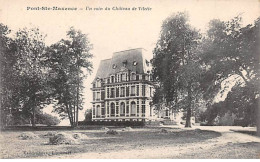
103	70
116	63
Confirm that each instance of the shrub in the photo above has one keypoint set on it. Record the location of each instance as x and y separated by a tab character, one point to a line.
62	138
197	130
50	134
47	119
27	135
112	132
78	136
163	131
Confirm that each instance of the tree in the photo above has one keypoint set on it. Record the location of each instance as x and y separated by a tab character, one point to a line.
230	50
33	89
175	62
9	85
66	60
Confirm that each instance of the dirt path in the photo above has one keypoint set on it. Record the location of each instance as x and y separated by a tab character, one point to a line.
229	145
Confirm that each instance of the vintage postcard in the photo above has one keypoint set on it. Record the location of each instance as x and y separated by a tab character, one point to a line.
129	79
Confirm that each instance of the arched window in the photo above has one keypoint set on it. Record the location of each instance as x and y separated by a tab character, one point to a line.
112	109
133	108
122	109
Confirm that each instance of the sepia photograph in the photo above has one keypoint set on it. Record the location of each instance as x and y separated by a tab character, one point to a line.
129	79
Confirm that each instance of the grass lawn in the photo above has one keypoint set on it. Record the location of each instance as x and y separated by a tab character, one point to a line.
98	141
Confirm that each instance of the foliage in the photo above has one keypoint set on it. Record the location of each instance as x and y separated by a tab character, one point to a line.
33	79
47	119
175	63
24	89
66	60
231	51
9	79
88	115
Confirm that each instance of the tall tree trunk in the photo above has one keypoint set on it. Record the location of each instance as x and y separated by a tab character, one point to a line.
69	115
258	121
74	112
33	117
188	116
77	114
33	112
72	115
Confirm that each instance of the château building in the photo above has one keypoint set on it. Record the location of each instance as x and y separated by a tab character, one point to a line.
123	88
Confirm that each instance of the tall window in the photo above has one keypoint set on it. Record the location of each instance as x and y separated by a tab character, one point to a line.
137	77
143	90
122	92
137	109
112	95
94	97
112	109
102	111
122	77
133	76
107	92
137	90
117	92
132	90
133	108
98	111
122	109
98	84
127	91
94	110
167	113
98	96
143	110
102	95
127	109
117	110
112	79
107	108
143	77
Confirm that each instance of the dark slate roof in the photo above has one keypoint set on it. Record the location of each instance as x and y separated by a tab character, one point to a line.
129	56
103	69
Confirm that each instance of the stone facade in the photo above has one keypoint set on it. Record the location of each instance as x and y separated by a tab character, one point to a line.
123	88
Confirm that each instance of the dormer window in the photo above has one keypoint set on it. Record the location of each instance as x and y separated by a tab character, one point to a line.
133	76
134	63
125	63
147	63
114	66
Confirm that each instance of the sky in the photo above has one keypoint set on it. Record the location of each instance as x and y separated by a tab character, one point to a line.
117	30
